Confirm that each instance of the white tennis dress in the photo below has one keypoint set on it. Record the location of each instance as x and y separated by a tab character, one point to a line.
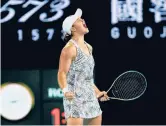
80	81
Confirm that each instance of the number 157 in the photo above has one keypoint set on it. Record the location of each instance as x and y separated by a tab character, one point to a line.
35	34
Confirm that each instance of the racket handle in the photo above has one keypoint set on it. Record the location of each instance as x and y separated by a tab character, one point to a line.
100	96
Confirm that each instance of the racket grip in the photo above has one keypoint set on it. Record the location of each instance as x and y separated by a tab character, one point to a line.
100	96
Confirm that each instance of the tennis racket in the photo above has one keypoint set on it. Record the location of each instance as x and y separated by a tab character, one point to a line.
130	85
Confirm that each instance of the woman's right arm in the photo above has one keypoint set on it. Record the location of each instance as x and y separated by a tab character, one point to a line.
68	53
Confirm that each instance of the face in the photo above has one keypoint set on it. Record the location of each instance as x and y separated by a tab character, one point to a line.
80	27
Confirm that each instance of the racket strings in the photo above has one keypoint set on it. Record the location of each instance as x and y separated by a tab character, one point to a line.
132	90
129	85
121	86
123	91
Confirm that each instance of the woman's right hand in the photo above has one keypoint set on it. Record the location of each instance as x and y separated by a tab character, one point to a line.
69	95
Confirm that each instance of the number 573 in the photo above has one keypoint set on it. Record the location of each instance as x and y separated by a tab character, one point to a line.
56	7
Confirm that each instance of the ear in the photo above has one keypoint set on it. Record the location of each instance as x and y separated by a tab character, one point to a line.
73	29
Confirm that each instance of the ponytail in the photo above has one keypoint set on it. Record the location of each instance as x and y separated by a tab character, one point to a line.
66	37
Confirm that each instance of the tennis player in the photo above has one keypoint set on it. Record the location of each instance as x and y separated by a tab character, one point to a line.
75	75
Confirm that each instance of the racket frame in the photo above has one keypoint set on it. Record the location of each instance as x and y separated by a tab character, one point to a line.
131	98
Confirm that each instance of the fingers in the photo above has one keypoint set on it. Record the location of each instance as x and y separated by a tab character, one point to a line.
102	99
105	97
100	94
69	95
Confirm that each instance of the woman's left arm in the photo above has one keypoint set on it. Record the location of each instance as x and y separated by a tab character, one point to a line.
97	91
102	95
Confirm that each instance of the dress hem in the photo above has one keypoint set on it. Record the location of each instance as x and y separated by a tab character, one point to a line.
86	117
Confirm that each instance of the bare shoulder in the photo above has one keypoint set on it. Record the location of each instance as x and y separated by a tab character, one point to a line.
69	50
91	48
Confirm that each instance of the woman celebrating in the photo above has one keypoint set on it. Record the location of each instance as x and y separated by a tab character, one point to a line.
75	75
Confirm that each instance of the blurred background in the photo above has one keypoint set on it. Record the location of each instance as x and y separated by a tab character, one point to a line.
125	35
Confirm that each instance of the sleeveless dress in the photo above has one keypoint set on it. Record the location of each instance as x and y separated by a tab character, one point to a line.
80	81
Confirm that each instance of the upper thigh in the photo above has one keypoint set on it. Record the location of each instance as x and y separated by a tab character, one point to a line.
74	121
95	121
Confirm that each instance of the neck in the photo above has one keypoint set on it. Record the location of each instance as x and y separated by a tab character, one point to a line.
78	38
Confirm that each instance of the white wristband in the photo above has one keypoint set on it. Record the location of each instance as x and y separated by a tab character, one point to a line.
64	90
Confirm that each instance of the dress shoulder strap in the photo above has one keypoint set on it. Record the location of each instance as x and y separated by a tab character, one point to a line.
74	42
